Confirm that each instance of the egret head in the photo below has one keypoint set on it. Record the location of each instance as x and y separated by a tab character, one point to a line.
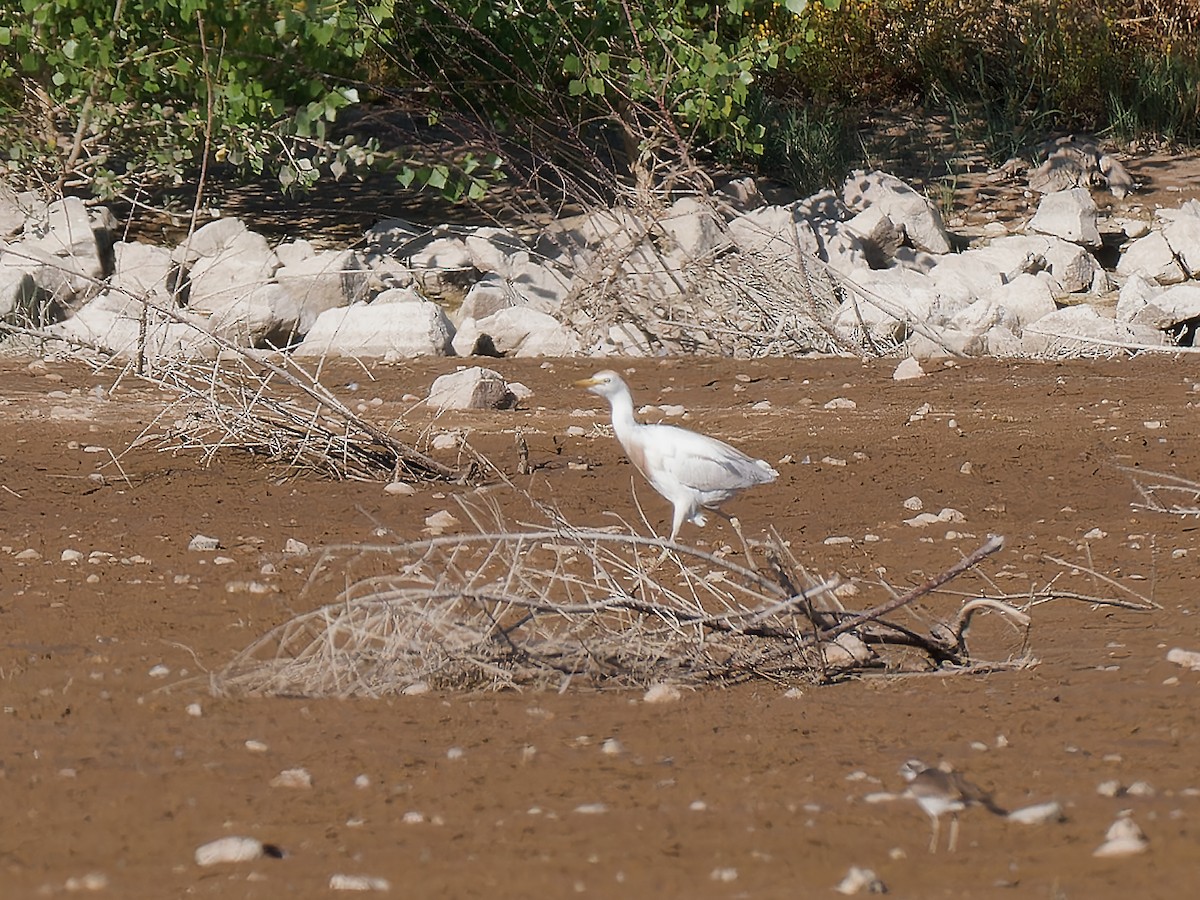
605	384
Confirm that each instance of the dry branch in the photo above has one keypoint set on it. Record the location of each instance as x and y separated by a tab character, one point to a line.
537	608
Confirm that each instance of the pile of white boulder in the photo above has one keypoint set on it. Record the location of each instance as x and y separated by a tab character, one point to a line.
905	282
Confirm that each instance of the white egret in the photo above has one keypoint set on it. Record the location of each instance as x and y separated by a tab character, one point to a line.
693	471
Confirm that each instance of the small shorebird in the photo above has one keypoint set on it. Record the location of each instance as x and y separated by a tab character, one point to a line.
941	790
695	472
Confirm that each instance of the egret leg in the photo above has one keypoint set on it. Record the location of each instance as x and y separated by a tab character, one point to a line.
953	832
936	832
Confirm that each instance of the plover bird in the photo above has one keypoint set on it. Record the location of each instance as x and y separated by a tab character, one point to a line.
943	790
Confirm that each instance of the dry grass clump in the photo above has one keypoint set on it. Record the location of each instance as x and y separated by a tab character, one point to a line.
564	606
269	405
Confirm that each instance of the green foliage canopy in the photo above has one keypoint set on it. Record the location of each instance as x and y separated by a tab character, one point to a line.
115	93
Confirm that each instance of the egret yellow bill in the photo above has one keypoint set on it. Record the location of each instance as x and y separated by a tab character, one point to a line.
693	471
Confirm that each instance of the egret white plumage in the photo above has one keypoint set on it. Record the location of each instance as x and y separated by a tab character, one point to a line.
693	471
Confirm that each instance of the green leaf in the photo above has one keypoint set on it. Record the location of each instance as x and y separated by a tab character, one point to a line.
797	7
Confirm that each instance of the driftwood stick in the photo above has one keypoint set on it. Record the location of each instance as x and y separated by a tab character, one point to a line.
993	544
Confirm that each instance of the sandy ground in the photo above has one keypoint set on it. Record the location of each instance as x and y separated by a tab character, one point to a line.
109	779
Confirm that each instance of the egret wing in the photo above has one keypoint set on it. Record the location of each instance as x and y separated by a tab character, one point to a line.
700	462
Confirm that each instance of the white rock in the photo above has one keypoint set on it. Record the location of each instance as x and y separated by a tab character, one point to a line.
202	543
908	369
1124	838
114	322
1081	328
228	850
293	547
325	280
661	693
860	880
489	295
695	229
1183	236
339	882
1070	215
71	556
841	403
399	489
1137	291
907	209
299	779
471	388
1170	308
1038	814
519	331
440	522
1189	659
389	330
914	504
1152	257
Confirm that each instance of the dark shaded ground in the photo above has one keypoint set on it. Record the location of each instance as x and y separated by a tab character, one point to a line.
740	792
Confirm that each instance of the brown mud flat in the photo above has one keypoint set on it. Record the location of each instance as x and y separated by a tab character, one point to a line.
729	792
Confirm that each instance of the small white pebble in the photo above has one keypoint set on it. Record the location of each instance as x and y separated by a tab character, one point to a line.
834	540
914	503
159	671
724	873
293	547
92	881
1140	789
698	806
860	880
841	403
255	746
455	753
1095	534
71	556
412	817
340	882
612	747
195	710
1038	814
228	850
202	543
362	782
399	489
661	693
1189	659
908	369
591	809
966	469
1109	788
292	778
